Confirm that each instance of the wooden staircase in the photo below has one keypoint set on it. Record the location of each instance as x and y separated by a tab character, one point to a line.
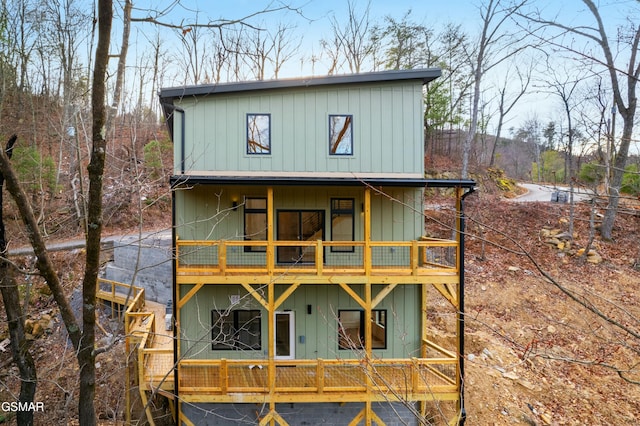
149	346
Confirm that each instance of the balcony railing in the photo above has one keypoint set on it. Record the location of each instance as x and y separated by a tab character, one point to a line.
425	257
225	380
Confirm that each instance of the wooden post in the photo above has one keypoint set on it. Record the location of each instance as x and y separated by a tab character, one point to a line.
224	376
270	227
319	257
222	257
414	257
367	231
368	345
320	375
271	368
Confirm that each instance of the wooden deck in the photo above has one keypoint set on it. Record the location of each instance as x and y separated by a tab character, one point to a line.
318	380
433	378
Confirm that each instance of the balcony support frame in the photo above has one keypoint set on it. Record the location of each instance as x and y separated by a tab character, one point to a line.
445	282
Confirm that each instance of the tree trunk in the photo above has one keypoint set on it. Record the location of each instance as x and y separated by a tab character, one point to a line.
627	112
492	158
466	149
83	341
15	319
618	173
19	344
86	351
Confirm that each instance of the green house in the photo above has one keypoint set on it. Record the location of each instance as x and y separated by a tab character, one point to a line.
301	268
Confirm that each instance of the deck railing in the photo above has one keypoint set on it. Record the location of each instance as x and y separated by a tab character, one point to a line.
124	295
423	257
222	378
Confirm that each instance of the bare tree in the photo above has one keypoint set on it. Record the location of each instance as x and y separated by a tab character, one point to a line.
623	71
256	50
529	132
219	58
507	102
596	122
332	48
456	76
18	40
494	47
284	46
122	61
351	41
194	54
564	87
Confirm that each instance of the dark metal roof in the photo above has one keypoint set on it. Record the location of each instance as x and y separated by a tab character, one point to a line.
323	181
425	75
451	183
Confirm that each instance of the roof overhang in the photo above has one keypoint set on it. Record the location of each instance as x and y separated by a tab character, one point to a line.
186	180
424	75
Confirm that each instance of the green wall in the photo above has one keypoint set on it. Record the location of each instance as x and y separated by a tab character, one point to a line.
204	212
320	328
387	130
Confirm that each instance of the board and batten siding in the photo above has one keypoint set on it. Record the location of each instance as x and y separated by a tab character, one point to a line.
387	130
319	328
204	211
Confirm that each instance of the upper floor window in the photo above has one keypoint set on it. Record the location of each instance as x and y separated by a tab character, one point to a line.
258	133
340	134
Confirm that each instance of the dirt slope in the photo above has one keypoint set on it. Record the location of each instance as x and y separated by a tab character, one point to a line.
535	356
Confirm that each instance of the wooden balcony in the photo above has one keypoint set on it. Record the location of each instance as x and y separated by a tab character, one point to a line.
433	377
319	380
316	260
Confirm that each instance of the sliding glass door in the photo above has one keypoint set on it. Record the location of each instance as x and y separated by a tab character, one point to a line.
299	225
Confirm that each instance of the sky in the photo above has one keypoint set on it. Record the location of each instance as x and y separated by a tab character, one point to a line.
313	21
315	15
313	18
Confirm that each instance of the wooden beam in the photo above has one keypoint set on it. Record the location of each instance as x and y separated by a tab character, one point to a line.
189	295
368	346
353	295
272	416
439	393
295	276
424	319
448	292
285	295
271	350
185	420
383	293
252	291
358	418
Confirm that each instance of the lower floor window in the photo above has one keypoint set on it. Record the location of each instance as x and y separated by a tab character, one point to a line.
238	329
351	329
